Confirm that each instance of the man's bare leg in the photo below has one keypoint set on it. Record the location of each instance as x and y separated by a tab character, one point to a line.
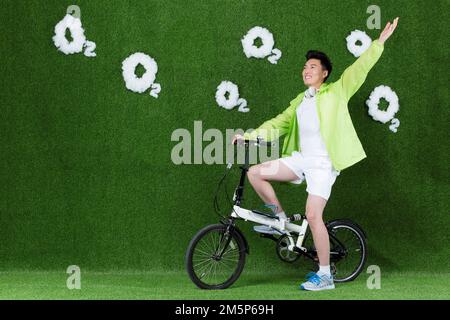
259	176
323	279
314	212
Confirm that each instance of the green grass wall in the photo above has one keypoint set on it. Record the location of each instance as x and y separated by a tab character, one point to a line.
86	174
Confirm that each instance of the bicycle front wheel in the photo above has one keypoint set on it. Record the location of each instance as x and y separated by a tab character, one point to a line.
215	257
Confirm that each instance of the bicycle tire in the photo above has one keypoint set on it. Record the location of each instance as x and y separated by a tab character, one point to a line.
334	226
236	272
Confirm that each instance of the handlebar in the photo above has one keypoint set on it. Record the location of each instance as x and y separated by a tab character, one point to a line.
257	142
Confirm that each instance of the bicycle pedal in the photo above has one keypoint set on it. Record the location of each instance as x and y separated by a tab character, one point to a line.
296	217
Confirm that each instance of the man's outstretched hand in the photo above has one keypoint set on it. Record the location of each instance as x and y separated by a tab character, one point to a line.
388	31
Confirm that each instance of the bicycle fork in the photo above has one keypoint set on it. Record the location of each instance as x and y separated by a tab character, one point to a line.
227	237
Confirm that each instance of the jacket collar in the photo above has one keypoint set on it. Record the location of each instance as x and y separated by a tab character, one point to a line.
324	87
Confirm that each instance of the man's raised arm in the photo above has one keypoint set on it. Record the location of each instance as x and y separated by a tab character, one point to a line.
355	75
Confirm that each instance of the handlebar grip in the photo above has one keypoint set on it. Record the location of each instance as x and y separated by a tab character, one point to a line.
259	142
266	143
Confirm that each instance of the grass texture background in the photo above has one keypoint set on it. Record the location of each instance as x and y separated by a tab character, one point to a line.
256	285
86	173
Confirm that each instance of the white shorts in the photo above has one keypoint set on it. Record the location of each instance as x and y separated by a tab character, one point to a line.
318	171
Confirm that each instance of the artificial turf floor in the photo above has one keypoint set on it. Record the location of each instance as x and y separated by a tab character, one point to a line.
251	286
86	167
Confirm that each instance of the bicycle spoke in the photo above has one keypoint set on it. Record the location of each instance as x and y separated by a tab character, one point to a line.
201	263
230	251
203	245
226	265
201	257
230	259
208	273
231	254
202	253
231	265
213	242
202	272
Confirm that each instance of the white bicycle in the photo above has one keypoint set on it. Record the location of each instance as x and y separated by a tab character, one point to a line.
216	255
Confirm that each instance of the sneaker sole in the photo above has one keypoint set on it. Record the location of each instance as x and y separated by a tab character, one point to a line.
318	289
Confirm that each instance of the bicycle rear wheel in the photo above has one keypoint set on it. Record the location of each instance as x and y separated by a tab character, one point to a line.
215	258
348	250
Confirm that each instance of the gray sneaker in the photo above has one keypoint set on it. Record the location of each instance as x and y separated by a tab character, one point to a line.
268	230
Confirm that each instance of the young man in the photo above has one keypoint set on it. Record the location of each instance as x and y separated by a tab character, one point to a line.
321	141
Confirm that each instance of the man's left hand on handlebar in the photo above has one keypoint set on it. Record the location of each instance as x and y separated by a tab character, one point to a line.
237	137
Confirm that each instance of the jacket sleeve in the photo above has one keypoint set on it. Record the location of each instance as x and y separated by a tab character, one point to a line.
355	75
276	127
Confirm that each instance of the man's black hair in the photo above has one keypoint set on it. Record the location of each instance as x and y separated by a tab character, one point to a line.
324	60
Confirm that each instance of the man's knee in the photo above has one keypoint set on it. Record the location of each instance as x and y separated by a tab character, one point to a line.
253	173
314	216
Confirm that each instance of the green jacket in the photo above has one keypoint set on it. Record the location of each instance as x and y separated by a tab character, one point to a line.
336	127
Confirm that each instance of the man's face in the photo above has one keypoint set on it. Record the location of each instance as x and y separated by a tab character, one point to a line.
313	73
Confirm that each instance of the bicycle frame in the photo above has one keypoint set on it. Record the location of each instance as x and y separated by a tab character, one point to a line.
249	215
286	226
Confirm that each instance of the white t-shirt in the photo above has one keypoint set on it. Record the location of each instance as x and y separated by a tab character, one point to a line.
311	142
